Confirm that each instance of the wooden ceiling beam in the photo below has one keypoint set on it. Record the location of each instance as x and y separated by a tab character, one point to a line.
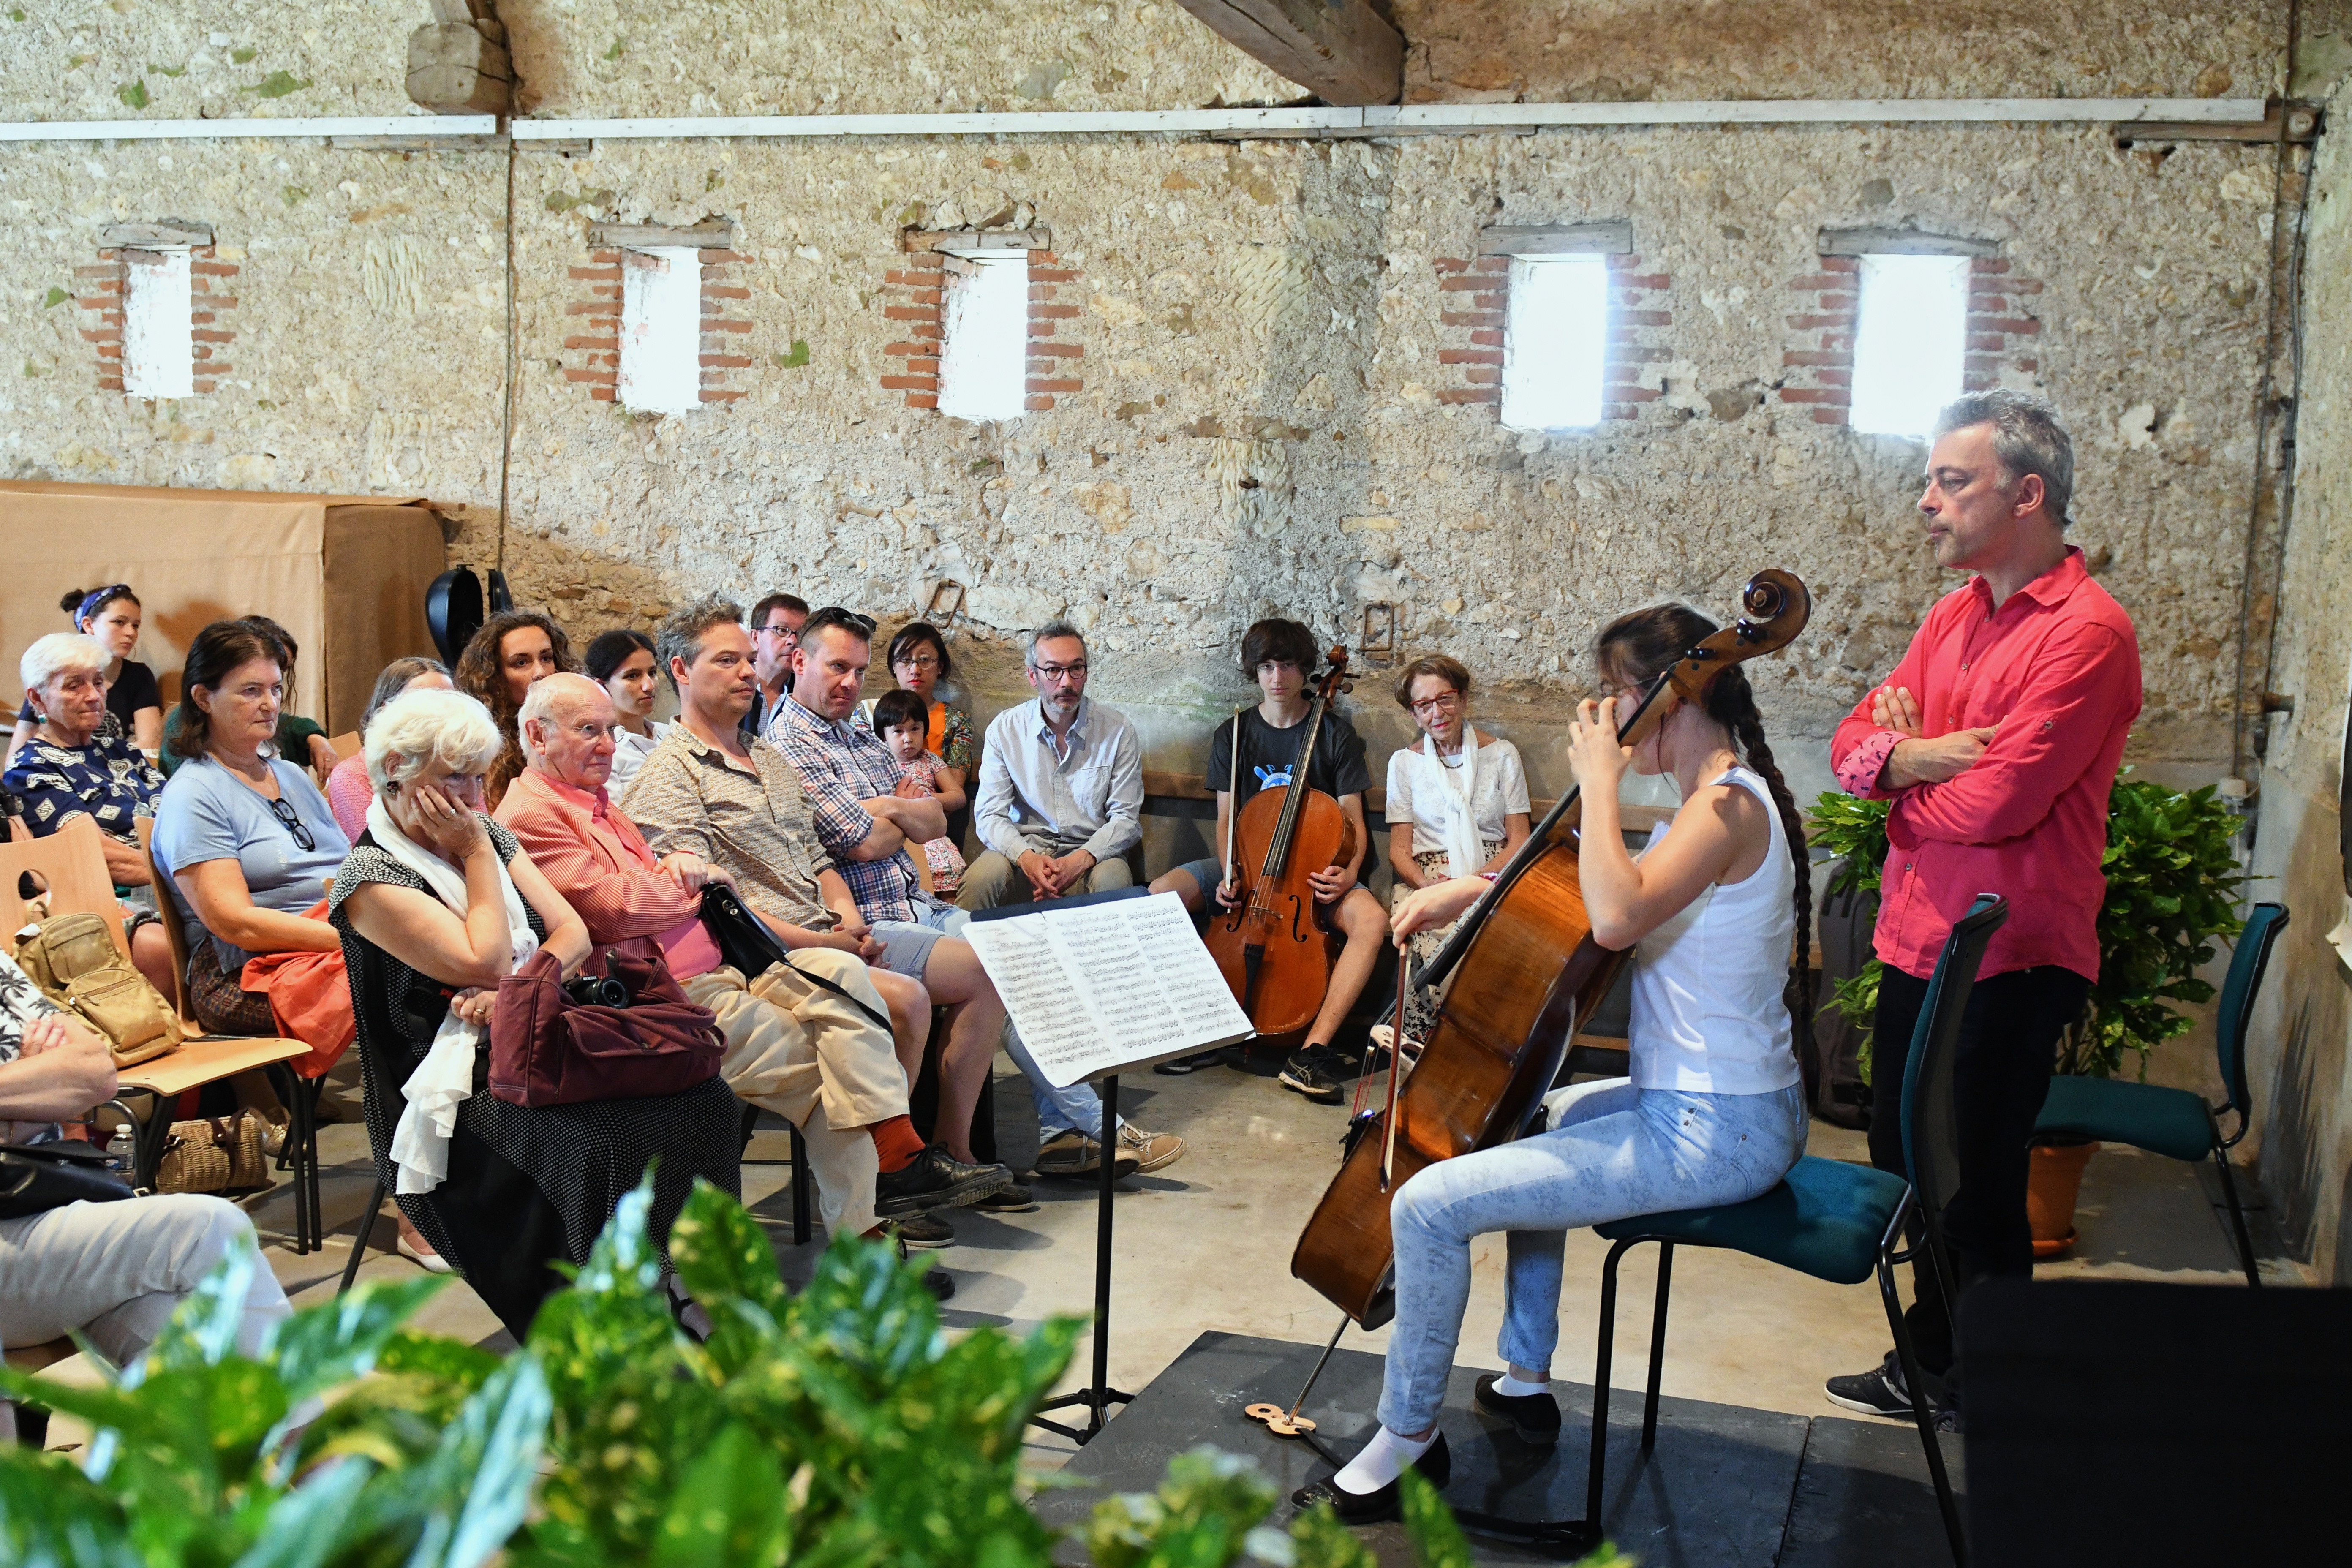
1343	51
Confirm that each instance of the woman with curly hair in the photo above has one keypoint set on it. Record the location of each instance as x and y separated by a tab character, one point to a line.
514	650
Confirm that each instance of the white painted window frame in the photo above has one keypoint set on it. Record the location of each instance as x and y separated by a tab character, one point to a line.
984	333
661	330
158	315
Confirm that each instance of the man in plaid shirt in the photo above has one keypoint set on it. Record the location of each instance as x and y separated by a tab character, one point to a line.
850	775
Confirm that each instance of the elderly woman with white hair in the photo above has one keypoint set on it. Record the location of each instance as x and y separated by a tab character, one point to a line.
436	905
77	764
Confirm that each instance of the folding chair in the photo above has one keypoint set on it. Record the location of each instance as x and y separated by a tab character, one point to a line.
2174	1122
211	1058
1832	1220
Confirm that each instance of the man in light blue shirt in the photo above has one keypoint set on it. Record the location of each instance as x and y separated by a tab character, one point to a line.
1061	787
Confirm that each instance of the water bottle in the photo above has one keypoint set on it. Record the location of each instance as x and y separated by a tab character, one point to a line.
122	1152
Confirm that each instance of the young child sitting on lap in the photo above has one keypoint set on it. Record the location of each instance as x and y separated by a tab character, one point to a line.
903	720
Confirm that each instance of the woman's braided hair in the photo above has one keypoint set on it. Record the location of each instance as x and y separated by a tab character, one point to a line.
1640	646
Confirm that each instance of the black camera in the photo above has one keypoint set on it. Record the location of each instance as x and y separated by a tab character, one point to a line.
597	991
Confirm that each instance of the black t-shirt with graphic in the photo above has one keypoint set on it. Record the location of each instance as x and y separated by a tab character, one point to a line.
1268	755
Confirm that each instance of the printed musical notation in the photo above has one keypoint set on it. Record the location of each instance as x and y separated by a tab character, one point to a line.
1105	988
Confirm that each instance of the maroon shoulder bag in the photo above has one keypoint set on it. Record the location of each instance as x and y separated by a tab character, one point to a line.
547	1049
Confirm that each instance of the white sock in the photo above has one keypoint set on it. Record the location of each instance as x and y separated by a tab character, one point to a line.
1512	1388
1383	1460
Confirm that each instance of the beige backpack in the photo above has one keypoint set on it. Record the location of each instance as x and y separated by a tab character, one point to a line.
73	959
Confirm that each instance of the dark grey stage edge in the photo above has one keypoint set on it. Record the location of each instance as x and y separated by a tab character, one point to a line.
1725	1485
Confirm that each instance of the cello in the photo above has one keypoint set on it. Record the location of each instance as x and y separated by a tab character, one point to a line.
1275	944
1529	973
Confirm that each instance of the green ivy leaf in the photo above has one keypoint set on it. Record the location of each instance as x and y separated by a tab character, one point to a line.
242	56
797	358
276	84
167	70
54	298
133	93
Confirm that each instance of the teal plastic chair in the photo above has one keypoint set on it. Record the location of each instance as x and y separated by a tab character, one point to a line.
2174	1122
1832	1220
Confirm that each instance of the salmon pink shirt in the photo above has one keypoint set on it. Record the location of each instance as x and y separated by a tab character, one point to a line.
593	856
2057	667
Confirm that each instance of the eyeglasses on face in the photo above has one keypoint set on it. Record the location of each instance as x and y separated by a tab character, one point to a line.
1444	702
779	630
1061	671
919	660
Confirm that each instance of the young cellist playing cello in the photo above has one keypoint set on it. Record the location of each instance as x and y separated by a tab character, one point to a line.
1281	657
1714	1112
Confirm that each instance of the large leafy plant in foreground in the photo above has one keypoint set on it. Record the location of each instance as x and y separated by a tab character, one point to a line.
838	1426
200	1456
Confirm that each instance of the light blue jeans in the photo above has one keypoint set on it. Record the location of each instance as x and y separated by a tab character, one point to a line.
1612	1151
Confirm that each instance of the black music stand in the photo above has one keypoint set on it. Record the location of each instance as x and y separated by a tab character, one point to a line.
1099	1396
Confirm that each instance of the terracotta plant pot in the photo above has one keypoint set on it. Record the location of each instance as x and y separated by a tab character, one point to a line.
2051	1185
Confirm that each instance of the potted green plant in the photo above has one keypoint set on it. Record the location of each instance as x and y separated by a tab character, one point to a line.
2172	892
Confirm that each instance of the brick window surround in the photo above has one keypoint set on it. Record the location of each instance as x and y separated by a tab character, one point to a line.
914	300
1476	307
100	288
1817	373
594	341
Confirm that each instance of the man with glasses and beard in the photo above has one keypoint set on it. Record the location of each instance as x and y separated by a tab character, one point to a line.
850	775
1061	786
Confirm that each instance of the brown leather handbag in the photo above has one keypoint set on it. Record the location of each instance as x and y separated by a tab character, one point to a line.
547	1048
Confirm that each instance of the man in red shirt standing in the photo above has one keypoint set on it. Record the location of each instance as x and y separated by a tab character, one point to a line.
1996	738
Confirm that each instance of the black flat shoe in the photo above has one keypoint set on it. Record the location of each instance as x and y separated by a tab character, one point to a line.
1534	1416
1436	1467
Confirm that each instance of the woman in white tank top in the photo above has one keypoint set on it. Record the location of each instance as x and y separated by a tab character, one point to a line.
1714	1112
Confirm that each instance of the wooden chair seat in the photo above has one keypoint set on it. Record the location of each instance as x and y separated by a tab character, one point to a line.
40	1357
208	1059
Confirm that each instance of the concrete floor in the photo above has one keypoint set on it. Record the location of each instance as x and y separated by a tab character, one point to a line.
1205	1244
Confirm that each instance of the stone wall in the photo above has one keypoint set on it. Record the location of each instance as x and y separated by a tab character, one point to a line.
1260	421
2301	1042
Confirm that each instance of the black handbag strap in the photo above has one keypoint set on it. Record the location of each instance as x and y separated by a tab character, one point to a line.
746	943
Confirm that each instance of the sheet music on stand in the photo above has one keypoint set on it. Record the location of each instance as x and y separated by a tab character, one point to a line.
1108	987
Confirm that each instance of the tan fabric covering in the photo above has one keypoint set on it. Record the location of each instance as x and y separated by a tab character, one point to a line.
345	575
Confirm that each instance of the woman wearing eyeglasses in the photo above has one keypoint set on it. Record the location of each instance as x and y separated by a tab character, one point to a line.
245	839
919	662
1457	801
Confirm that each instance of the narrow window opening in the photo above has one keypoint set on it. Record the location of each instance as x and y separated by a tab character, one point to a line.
1910	346
1554	342
158	360
661	329
983	358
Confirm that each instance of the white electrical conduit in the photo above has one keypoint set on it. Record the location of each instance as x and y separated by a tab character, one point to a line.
1420	119
228	129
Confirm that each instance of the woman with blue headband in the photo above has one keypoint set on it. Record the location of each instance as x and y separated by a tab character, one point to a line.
111	616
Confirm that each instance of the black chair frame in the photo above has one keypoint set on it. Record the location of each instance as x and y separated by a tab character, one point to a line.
1892	1252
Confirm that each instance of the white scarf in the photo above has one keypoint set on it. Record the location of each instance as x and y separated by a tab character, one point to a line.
420	1145
1455	797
